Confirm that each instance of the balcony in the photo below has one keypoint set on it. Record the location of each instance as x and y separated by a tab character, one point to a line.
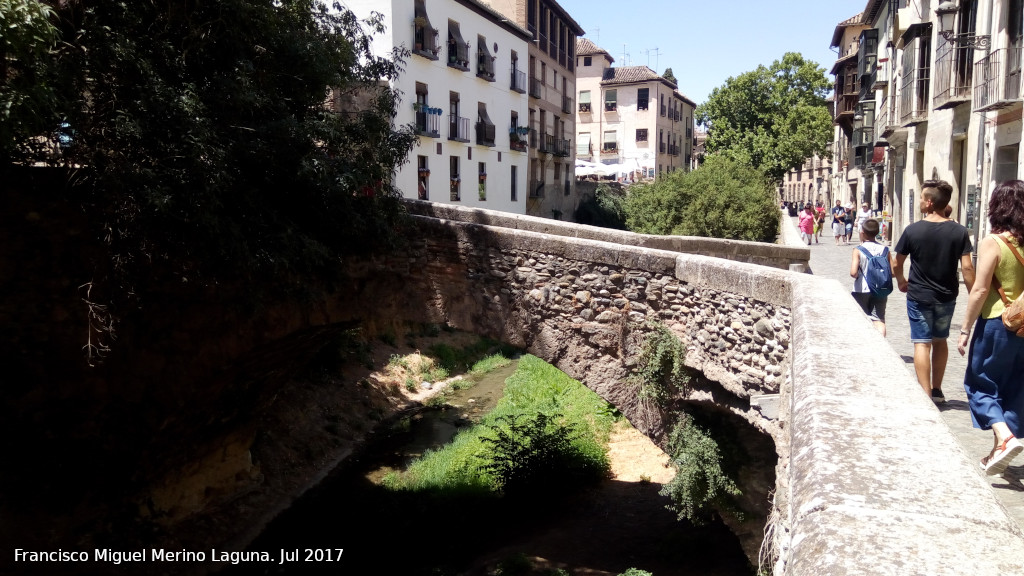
535	87
585	107
609	148
567	104
673	150
846	105
485	132
517	140
611	106
547	144
427	124
885	124
642	104
953	67
458	55
518	81
425	41
663	109
458	128
881	79
561	147
536	189
863	136
997	80
485	66
914	102
533	138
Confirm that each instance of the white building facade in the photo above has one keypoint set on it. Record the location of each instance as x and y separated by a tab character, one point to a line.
460	93
630	115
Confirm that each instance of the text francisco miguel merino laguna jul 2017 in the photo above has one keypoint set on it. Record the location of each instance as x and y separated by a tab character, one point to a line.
162	555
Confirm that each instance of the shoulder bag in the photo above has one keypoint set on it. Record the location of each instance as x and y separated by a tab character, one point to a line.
1013	315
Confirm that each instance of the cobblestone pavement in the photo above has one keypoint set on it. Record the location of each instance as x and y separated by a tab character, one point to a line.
831	261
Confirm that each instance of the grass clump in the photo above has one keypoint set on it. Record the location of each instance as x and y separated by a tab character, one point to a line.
544	427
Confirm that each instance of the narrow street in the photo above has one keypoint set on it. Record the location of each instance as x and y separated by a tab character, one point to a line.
831	261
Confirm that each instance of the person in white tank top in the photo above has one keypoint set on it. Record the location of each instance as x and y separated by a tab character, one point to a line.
872	305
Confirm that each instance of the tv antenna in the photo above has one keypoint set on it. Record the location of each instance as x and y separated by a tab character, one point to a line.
625	56
657	52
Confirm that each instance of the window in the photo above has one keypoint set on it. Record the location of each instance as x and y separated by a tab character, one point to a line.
482	180
485	131
641	134
584	100
642	96
484	60
515	182
610	104
454	179
423	177
609	144
583	144
662	101
587	61
458	49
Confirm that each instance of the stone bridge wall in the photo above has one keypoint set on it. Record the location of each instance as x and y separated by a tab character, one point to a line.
870	479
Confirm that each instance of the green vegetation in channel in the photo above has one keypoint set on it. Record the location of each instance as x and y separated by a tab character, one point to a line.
547	428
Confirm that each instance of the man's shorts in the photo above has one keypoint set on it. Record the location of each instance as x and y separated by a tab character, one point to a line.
873	306
837	229
929	321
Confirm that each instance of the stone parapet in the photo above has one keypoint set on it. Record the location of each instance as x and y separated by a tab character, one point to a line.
785	256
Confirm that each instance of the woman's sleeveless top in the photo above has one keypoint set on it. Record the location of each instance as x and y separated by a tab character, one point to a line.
1010	274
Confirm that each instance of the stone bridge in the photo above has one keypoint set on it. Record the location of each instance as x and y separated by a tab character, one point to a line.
868	478
852	473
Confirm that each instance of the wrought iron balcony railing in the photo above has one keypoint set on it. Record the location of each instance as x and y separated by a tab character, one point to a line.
485	133
518	81
997	80
458	128
425	42
427	124
953	71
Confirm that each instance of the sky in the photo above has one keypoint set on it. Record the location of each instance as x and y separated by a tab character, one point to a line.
707	42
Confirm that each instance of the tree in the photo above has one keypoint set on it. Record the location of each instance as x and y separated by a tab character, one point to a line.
26	100
668	75
604	209
722	199
202	145
771	118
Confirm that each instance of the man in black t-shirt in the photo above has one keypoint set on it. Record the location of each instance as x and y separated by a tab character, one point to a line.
935	245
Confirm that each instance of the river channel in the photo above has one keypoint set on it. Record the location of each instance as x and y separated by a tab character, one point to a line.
598	531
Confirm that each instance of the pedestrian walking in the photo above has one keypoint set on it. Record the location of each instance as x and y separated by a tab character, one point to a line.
863	215
995	363
819	221
838	226
935	245
806	223
871	267
848	224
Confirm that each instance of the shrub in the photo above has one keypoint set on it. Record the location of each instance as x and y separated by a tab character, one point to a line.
721	199
700	480
604	209
533	454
